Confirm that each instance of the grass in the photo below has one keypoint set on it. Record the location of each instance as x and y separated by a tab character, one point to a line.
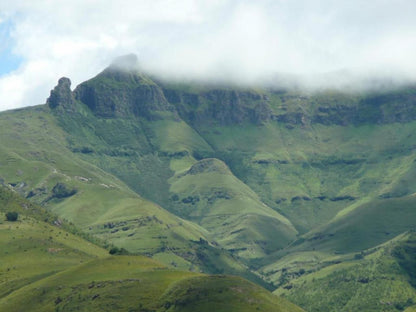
126	283
368	225
300	172
43	267
33	249
381	279
210	195
103	206
35	163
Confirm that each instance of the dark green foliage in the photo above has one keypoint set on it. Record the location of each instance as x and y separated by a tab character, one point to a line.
406	257
60	190
12	216
118	251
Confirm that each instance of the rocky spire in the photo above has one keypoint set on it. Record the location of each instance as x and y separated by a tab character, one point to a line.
61	96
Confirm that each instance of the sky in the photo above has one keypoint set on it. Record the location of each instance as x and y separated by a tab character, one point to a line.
323	44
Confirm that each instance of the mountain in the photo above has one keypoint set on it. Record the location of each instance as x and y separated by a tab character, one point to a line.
221	178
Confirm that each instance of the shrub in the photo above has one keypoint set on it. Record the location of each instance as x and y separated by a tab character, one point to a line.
12	216
118	251
113	251
60	190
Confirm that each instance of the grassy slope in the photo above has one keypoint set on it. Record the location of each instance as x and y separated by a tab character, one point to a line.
351	186
35	157
33	249
45	268
312	173
368	225
381	279
126	283
210	195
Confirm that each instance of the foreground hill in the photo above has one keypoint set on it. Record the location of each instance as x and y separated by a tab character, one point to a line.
44	267
125	283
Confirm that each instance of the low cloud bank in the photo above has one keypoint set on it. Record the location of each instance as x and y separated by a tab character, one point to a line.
304	44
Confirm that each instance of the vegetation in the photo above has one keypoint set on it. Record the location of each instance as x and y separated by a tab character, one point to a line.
383	280
293	191
60	190
12	216
68	273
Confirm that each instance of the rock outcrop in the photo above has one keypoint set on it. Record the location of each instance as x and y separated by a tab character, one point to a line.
61	98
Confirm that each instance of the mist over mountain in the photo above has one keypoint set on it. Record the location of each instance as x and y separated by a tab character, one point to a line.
320	43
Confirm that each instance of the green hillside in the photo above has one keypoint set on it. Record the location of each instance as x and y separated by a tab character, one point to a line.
151	154
43	267
33	249
367	225
125	283
210	195
273	185
37	160
379	279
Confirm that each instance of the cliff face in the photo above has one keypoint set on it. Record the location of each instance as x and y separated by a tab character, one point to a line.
122	90
233	107
220	106
116	93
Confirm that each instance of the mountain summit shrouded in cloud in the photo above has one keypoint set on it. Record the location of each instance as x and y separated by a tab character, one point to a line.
319	43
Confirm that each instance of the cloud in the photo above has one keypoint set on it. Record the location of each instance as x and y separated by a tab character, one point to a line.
320	43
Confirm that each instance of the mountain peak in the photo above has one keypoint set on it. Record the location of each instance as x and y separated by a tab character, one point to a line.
64	82
121	90
126	62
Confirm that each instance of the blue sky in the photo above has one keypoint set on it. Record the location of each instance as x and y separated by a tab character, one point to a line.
316	43
8	60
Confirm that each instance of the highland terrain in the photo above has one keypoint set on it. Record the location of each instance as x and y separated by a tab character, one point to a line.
311	195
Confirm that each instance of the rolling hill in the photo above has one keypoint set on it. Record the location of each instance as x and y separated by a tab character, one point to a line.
45	267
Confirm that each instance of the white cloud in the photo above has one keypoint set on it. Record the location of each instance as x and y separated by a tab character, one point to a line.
229	39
